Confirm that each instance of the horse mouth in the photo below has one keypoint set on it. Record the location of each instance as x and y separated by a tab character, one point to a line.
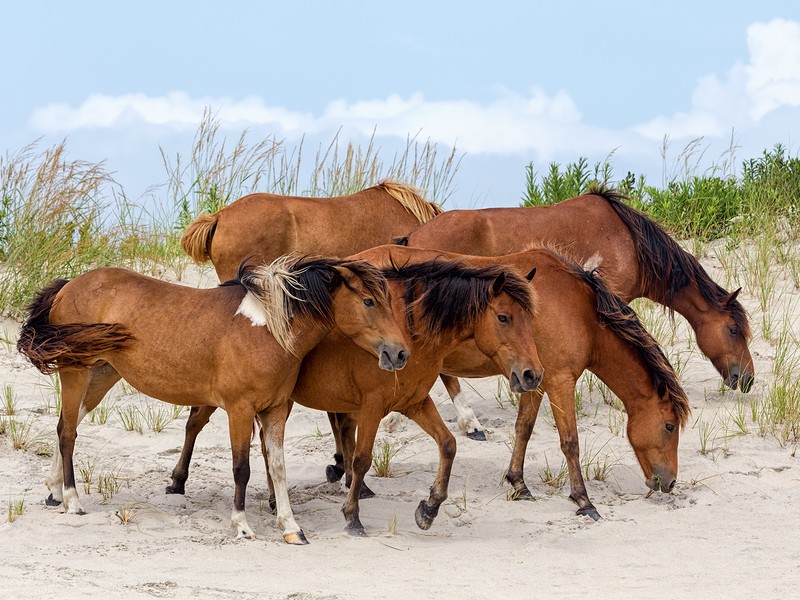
527	383
744	381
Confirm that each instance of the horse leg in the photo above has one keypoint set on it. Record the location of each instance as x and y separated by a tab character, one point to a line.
240	428
273	424
198	418
368	422
467	421
334	472
347	426
562	401
100	380
265	453
427	417
529	403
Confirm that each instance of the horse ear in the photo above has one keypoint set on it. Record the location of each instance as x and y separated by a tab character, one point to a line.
338	275
498	284
731	297
530	275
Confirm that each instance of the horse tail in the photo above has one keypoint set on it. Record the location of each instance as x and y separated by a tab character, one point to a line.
197	237
51	348
411	200
664	266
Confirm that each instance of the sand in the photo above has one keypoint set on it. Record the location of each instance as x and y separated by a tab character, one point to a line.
729	530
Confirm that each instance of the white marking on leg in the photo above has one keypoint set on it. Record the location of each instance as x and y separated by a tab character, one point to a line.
467	421
277	469
253	309
72	504
239	521
55	482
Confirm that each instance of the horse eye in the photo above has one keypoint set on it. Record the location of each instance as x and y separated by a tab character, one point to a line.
670	427
502	318
369	302
734	330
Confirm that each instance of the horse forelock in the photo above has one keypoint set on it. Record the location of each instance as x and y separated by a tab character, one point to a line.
451	296
665	267
625	323
411	200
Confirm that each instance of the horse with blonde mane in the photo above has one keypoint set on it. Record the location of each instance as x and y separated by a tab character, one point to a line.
579	325
443	303
238	346
269	225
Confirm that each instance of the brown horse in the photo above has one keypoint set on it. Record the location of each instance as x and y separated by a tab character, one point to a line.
581	325
447	302
268	226
639	259
238	346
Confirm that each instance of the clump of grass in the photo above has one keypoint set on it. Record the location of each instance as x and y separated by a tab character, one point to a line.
21	435
108	484
86	470
157	416
125	514
9	400
554	477
392	528
101	412
51	220
382	459
131	418
15	510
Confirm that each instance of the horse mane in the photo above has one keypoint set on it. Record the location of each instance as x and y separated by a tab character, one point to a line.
665	267
299	286
411	200
625	323
451	296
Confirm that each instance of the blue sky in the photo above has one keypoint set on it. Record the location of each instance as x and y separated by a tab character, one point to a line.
506	84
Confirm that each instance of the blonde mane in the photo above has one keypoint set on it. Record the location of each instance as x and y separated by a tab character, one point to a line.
269	291
411	200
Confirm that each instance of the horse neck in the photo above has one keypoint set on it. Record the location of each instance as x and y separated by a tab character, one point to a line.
691	304
619	365
306	334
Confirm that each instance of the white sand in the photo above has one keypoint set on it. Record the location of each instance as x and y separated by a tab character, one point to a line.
730	529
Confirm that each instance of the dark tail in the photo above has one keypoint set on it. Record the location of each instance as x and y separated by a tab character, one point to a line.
51	348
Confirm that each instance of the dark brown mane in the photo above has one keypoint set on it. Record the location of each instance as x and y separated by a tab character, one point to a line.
623	321
452	296
316	278
665	267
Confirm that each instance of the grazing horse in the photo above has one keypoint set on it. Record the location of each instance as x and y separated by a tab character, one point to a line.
268	225
580	325
639	259
446	303
238	346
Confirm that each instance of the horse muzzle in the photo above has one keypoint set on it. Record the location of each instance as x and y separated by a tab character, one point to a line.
525	381
741	379
661	482
392	357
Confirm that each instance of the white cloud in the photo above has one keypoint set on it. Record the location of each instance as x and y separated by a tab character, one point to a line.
768	81
544	127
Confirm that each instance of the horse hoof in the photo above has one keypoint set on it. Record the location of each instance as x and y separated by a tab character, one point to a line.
424	516
477	435
333	473
175	489
50	501
366	492
356	529
522	493
589	511
296	538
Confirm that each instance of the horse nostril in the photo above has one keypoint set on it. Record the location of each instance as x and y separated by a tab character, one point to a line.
402	356
671	486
